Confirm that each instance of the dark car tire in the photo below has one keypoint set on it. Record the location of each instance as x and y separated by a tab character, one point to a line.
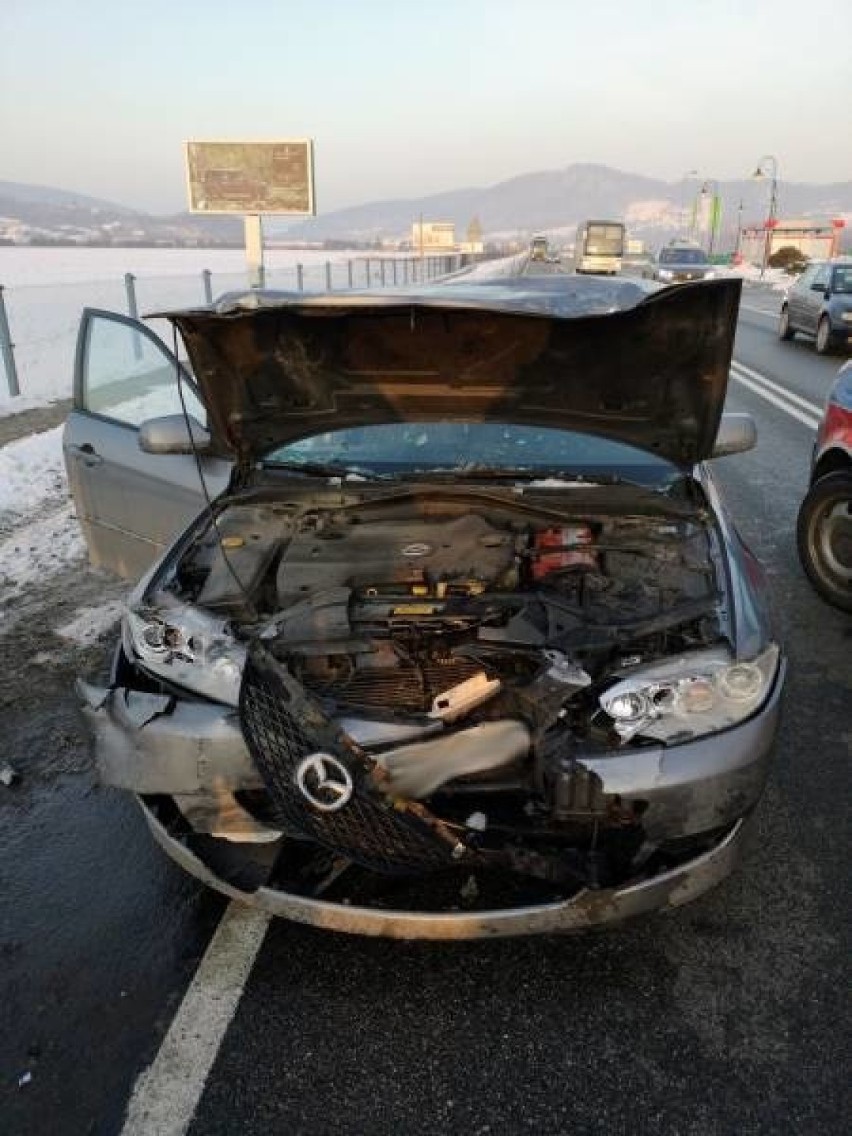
824	343
784	330
824	537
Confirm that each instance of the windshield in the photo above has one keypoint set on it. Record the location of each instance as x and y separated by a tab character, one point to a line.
412	448
605	239
682	256
842	280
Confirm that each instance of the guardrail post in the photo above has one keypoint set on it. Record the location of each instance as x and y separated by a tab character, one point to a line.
7	347
328	276
133	310
207	279
382	272
300	278
130	289
349	273
393	262
367	269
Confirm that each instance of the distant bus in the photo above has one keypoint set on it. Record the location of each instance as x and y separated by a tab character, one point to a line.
599	247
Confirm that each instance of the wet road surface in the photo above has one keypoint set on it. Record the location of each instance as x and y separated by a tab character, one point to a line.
729	1015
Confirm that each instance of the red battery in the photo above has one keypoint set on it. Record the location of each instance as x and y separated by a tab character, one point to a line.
564	554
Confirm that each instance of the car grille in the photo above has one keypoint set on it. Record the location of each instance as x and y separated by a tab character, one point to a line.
408	687
281	726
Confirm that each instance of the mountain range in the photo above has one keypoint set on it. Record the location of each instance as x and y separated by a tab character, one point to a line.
555	201
550	201
38	214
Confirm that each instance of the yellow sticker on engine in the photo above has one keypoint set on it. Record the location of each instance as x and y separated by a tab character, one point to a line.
232	542
415	609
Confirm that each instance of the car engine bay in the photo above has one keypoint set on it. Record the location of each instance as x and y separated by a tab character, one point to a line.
448	652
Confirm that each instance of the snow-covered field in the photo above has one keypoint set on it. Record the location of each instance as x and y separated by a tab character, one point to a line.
45	289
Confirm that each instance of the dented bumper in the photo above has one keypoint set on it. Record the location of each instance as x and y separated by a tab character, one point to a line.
583	911
157	743
194	752
151	743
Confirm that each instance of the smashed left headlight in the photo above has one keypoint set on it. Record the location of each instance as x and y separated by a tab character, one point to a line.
698	693
186	646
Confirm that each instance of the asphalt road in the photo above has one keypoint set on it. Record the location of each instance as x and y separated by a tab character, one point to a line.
731	1015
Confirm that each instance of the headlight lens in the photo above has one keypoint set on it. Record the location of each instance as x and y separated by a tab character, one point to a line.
187	646
665	274
696	694
710	275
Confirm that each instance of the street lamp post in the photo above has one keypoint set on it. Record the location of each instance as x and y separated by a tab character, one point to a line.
713	215
759	174
689	176
739	231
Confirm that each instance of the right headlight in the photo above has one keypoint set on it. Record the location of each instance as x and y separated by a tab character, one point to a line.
698	693
665	274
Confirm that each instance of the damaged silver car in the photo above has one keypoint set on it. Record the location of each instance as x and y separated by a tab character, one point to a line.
464	642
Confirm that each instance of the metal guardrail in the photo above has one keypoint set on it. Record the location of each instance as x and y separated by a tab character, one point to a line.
50	341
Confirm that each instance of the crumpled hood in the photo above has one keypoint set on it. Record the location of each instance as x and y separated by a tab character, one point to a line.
617	358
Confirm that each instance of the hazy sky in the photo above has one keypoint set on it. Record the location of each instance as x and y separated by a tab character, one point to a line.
405	97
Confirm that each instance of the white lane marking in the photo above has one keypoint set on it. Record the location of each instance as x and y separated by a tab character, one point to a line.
787	407
167	1093
772	313
805	404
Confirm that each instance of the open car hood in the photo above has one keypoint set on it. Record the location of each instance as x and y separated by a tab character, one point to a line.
617	358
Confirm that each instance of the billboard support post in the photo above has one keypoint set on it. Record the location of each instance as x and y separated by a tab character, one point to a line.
252	179
254	250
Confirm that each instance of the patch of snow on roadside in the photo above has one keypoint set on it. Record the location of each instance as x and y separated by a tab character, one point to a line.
19	403
774	278
31	473
37	551
90	623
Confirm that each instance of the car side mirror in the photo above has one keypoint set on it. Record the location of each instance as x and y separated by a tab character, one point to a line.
736	435
171	435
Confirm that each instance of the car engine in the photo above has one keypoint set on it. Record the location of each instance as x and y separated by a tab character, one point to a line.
450	655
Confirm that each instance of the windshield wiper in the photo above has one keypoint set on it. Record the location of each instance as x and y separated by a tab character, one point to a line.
328	469
523	473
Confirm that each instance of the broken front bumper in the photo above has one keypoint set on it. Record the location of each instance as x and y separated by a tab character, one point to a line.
194	753
583	911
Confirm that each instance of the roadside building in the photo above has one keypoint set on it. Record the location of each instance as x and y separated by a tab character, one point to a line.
817	240
433	237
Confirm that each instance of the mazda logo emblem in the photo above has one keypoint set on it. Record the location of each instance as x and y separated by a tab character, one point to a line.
324	782
416	549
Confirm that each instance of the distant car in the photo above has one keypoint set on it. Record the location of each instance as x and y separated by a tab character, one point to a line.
637	264
824	529
820	304
676	264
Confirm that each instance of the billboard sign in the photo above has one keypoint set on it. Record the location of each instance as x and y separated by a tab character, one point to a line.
251	177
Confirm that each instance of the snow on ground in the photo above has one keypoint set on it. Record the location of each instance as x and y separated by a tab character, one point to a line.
774	278
37	551
39	534
90	623
46	289
32	474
